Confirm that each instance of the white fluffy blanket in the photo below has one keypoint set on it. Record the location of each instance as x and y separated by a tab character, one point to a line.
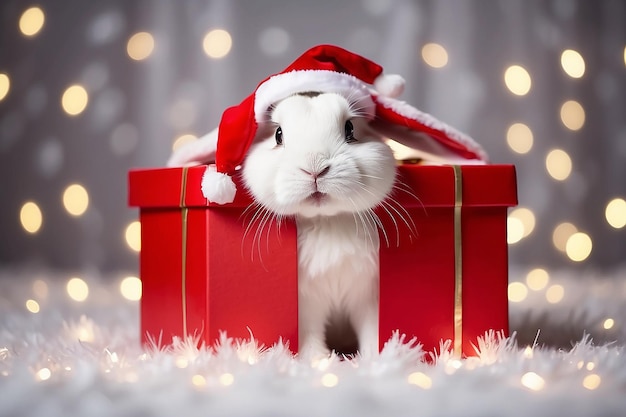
84	359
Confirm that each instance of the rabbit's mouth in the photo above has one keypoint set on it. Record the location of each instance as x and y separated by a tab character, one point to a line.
317	198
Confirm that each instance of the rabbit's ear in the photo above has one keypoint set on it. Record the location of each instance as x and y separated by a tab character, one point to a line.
197	152
430	138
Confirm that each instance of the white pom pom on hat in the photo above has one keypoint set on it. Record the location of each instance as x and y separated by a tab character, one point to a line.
218	187
389	85
328	68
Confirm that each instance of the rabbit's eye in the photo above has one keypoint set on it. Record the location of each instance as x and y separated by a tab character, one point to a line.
350	132
279	136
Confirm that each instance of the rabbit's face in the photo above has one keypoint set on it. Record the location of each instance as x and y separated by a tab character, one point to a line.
320	160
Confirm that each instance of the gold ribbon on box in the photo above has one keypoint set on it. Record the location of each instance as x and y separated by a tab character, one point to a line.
458	262
184	212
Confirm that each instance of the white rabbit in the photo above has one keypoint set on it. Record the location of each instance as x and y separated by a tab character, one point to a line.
323	165
309	143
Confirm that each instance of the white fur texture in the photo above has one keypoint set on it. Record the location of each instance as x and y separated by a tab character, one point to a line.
337	234
84	359
283	85
337	275
389	85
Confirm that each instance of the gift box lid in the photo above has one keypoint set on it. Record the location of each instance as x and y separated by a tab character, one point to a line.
419	186
175	187
434	186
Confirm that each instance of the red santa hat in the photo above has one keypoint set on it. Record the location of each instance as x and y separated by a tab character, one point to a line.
328	68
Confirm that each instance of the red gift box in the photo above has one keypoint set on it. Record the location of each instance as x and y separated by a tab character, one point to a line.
450	281
444	273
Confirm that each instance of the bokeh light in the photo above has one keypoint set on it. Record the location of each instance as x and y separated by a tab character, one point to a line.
32	21
608	324
217	43
435	55
43	374
32	306
533	381
615	213
517	292
519	137
561	233
517	80
555	293
5	85
74	100
578	246
140	46
320	363
130	288
75	199
198	380
558	164
573	63
329	380
514	230
592	381
133	236
572	115
181	362
31	217
182	140
526	217
226	379
537	279
420	379
77	289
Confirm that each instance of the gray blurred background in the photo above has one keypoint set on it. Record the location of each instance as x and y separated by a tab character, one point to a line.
181	79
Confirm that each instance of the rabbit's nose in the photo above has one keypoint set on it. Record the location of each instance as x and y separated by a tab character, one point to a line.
316	173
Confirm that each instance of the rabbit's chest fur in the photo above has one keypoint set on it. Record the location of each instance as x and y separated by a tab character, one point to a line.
337	257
